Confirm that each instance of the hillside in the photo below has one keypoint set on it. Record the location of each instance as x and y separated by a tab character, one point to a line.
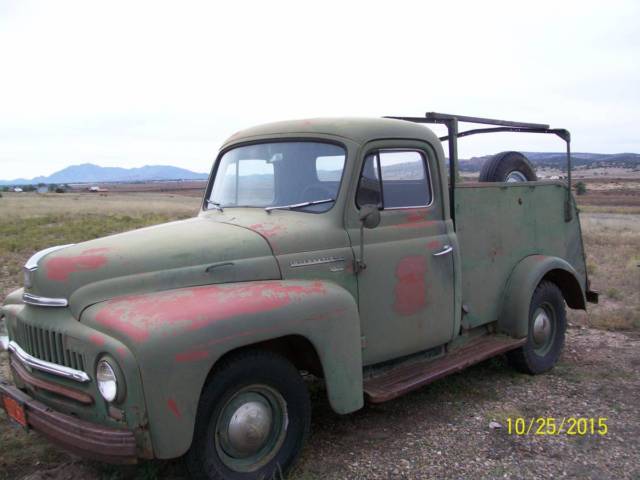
557	160
90	173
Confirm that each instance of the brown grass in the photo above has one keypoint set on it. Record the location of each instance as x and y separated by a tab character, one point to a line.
612	243
30	221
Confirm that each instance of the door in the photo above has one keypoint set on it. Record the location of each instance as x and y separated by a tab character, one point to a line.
406	291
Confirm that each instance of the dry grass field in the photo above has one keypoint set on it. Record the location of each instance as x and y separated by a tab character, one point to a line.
438	432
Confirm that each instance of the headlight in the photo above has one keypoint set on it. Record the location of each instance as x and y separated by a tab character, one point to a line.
107	380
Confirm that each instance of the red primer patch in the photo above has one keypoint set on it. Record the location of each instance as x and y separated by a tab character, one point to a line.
194	308
410	290
96	339
420	223
59	268
173	406
93	251
414	217
268	230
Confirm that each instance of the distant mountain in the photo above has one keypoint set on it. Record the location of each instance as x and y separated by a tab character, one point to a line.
89	173
558	160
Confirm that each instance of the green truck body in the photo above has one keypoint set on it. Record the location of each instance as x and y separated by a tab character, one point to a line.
168	303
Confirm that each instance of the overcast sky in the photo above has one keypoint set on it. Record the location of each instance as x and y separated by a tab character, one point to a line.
136	83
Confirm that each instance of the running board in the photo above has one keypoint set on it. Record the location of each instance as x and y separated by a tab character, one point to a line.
407	377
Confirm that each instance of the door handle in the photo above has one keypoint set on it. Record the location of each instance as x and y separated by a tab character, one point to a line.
446	249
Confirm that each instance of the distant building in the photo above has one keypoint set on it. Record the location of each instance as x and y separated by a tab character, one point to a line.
97	189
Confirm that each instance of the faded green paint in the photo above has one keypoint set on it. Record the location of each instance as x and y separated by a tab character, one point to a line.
498	227
175	352
167	302
516	296
173	255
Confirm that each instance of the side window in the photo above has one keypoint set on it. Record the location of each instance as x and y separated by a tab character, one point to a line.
369	187
395	179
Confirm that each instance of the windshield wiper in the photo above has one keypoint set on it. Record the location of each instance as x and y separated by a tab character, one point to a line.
300	205
216	205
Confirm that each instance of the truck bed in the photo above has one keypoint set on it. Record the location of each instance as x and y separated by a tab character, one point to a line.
500	224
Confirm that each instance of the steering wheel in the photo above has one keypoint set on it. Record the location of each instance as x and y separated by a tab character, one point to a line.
315	192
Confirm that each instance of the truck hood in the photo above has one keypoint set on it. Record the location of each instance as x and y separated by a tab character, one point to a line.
198	251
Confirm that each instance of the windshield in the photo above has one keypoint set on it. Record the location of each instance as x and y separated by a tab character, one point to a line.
279	174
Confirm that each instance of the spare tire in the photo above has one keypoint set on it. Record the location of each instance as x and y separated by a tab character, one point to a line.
507	167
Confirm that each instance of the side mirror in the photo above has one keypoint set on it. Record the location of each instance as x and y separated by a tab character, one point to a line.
370	216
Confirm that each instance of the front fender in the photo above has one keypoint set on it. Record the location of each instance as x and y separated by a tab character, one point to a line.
177	337
525	277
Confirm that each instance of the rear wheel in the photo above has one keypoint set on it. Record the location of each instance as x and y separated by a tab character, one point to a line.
507	167
547	326
252	421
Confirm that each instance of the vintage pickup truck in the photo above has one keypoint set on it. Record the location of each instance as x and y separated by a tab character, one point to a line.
341	248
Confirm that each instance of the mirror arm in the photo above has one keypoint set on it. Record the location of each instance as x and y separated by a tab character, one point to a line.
359	264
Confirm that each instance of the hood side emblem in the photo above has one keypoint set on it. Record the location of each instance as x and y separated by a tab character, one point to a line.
315	261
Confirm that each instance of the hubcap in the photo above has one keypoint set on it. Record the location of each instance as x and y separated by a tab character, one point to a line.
543	330
251	428
516	176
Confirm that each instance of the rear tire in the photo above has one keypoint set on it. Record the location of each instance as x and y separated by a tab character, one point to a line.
507	167
253	419
547	326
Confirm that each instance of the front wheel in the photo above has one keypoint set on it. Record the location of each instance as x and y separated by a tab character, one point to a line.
253	418
547	326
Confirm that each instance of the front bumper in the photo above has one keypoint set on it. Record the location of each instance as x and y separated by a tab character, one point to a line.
84	438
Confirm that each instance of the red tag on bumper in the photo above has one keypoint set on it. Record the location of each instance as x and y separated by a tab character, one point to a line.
14	410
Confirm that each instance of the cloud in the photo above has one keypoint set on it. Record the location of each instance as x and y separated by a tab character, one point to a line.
128	83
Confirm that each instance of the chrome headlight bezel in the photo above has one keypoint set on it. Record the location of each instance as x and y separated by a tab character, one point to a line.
109	380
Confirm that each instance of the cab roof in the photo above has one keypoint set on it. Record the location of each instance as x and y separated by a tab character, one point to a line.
359	130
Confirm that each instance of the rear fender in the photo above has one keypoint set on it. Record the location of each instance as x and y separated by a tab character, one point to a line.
528	273
178	336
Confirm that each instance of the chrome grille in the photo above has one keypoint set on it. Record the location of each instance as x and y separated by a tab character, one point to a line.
47	345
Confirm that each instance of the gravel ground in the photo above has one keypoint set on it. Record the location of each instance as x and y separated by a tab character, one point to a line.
443	430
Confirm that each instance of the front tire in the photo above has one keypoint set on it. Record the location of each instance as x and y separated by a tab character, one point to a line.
547	326
253	419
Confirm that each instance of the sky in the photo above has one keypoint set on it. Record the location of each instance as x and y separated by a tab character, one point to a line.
146	83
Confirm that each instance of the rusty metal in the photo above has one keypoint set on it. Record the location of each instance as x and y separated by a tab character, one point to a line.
20	372
87	439
403	379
